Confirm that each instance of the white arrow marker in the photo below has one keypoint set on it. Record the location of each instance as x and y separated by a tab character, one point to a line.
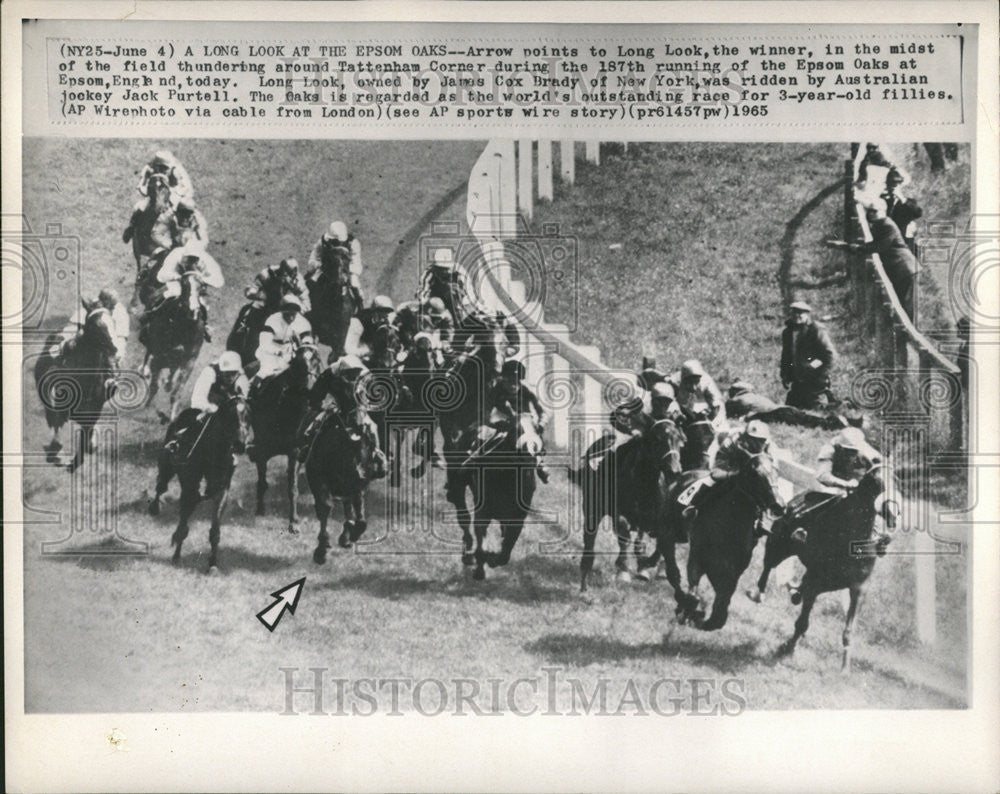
287	599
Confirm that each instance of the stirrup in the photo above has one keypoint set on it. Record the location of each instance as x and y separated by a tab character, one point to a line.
689	513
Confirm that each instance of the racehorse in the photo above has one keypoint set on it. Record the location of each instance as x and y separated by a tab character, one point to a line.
722	537
630	485
173	334
456	393
276	410
340	464
149	231
700	447
334	303
839	551
206	451
383	394
501	478
77	384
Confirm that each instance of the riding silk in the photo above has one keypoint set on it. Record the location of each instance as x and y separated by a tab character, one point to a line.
278	341
177	177
209	390
119	325
339	261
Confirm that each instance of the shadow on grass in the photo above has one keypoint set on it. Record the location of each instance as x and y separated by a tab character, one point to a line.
580	650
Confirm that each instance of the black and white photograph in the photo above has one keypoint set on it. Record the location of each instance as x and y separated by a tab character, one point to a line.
588	420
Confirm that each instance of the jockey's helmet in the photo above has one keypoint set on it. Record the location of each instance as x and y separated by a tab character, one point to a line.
631	406
851	438
662	392
230	362
756	435
423	340
90	301
163	158
691	369
348	365
740	387
894	177
436	306
185	206
383	303
291	303
290	264
444	258
512	368
108	298
338	231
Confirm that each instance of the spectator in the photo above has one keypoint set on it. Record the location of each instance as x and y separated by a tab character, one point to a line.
807	354
899	262
903	211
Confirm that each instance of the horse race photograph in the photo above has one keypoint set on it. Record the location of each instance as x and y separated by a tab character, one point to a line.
624	428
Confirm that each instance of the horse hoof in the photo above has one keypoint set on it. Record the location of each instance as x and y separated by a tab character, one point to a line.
293	528
154	507
479	574
52	457
754	594
468	558
319	555
213	570
344	541
642	575
623	576
164	419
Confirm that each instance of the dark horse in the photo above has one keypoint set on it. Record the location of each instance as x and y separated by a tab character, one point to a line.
77	384
333	305
276	409
205	451
244	337
722	536
456	394
502	482
339	465
839	550
173	334
699	449
630	485
384	396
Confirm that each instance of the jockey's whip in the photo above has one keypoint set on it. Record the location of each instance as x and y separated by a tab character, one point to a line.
200	434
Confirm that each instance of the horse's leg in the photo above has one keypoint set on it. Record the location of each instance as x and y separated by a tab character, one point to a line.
86	438
510	531
802	622
189	500
215	533
591	522
623	531
261	483
724	585
773	555
321	496
668	550
54	445
154	379
164	471
857	593
360	522
344	541
480	525
293	494
693	611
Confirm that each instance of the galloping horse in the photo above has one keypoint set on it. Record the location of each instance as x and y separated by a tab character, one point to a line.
838	551
490	340
76	385
206	451
701	444
173	336
502	481
340	465
276	409
630	485
149	231
722	536
333	300
383	393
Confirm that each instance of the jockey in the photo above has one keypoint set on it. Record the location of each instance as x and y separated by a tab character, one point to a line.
432	318
106	300
695	388
283	332
506	400
74	326
649	375
177	264
215	384
734	451
334	394
445	280
164	162
845	461
424	353
663	403
187	226
337	253
381	312
277	280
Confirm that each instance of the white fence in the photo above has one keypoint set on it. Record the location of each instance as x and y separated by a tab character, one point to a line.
571	378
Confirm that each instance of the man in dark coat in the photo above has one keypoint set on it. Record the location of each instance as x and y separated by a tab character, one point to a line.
903	211
806	357
899	262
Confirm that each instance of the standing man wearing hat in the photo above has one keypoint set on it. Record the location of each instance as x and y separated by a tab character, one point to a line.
337	256
807	354
281	336
903	211
164	162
